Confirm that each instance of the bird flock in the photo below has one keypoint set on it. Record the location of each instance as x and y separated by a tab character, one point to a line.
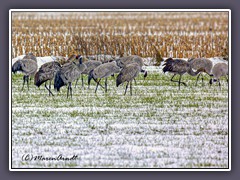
126	68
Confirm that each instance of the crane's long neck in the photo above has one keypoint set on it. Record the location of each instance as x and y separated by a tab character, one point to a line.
192	73
80	60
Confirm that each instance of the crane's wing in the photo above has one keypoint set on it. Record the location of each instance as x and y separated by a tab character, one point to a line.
29	66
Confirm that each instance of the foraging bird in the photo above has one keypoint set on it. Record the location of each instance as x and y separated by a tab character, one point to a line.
219	69
46	73
123	61
90	64
62	60
179	66
103	71
201	63
127	74
28	67
30	56
68	73
72	57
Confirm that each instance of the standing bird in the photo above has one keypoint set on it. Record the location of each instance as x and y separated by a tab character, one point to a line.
62	60
201	63
30	56
69	73
179	66
219	69
123	61
128	73
72	57
46	73
90	64
103	71
28	67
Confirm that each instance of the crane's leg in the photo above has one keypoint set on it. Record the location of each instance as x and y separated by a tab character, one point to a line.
226	79
179	81
219	84
50	82
126	88
89	82
50	93
173	77
183	82
105	84
197	78
46	87
97	84
210	82
76	82
202	80
200	74
27	77
82	81
131	88
23	82
67	90
135	81
70	85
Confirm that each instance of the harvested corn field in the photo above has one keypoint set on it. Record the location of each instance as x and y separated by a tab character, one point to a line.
147	34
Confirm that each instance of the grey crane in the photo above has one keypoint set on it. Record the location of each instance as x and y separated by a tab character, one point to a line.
90	64
28	67
127	74
46	73
68	73
201	63
72	57
103	71
30	56
219	70
179	66
123	61
62	60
